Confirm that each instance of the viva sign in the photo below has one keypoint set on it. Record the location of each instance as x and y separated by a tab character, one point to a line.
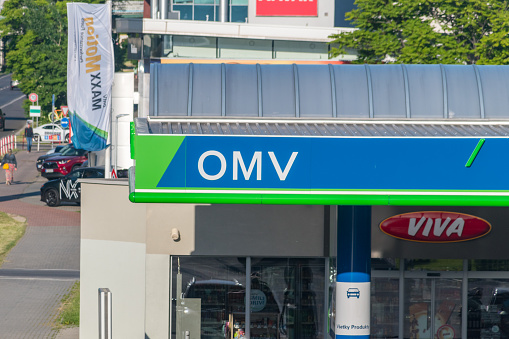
438	227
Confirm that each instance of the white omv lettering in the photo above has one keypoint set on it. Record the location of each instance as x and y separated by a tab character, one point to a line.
456	227
239	161
221	171
282	175
286	0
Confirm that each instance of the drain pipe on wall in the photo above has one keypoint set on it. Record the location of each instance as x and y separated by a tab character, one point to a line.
223	10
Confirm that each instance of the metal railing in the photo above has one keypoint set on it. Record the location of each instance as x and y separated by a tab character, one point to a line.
6	143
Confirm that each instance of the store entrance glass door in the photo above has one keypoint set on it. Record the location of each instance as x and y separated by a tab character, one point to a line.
432	308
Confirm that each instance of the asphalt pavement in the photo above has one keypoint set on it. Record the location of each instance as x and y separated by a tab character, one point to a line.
44	265
11	104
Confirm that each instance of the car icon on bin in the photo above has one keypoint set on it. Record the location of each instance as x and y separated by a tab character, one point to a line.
353	292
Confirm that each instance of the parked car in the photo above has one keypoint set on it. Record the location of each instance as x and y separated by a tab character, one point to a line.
63	164
51	132
2	120
57	151
14	83
67	188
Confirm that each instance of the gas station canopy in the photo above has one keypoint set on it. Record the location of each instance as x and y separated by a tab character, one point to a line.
391	135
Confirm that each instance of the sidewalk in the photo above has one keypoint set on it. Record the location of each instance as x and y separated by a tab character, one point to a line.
44	265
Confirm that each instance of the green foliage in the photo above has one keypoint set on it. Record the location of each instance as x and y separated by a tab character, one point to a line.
35	32
69	314
428	32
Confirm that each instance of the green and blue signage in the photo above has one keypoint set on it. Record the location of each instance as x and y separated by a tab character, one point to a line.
320	170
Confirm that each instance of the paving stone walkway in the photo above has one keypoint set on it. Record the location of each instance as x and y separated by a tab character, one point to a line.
44	265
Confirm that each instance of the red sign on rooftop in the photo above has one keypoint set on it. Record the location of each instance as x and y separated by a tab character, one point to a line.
286	8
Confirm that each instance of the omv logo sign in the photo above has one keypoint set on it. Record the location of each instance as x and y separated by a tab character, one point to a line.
238	165
246	163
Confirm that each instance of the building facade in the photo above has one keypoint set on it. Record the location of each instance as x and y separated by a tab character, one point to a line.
438	255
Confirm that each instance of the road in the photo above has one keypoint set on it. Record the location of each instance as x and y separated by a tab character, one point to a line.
10	103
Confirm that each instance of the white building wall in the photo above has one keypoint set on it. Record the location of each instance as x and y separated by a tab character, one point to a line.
157	320
122	104
126	247
119	266
112	255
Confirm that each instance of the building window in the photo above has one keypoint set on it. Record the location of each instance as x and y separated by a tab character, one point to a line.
238	13
384	307
287	297
434	264
186	11
488	265
208	10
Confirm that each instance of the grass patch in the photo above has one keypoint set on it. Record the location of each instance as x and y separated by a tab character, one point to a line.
11	231
69	312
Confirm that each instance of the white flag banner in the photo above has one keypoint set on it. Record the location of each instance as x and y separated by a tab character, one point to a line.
90	70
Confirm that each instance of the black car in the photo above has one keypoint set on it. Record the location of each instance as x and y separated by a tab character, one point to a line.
14	83
67	188
58	151
2	120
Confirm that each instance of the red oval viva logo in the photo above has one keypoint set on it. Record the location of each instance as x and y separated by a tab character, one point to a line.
438	227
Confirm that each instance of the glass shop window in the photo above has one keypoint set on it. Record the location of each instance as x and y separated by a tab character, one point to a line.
297	286
488	308
385	264
434	264
488	265
209	294
205	292
384	307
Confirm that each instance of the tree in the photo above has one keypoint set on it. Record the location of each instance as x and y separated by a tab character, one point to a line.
36	42
427	32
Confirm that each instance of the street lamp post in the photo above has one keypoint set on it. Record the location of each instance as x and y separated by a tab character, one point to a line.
116	140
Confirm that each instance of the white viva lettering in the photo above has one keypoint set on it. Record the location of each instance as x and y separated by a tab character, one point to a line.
286	0
238	161
456	227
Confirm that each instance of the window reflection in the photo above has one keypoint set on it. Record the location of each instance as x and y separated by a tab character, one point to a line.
287	297
488	308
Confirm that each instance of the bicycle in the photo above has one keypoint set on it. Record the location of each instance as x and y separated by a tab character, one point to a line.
58	114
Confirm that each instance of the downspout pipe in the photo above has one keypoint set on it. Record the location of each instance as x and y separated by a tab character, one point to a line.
154	8
163	5
223	10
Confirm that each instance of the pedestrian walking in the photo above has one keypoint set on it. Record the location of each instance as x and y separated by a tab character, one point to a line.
10	165
29	134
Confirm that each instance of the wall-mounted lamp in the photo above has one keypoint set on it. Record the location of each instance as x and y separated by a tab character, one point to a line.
175	234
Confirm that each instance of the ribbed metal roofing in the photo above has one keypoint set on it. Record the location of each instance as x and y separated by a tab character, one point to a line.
321	128
361	92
